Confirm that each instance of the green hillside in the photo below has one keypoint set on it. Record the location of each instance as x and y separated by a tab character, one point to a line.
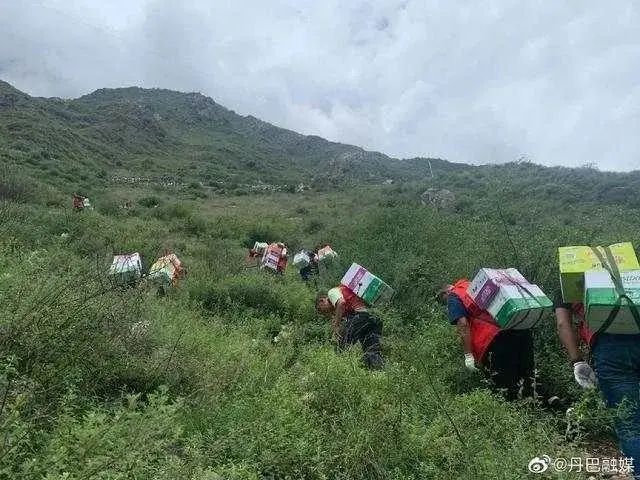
131	132
232	375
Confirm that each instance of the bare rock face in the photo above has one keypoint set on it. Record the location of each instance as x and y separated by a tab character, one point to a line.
442	199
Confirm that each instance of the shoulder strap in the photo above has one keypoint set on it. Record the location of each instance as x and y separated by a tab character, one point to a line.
610	265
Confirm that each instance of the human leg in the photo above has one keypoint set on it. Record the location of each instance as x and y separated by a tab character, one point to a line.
501	364
367	329
616	360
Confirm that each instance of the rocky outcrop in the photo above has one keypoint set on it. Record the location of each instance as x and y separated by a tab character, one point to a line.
442	199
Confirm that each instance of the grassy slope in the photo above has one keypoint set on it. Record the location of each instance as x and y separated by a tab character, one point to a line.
233	399
132	131
235	377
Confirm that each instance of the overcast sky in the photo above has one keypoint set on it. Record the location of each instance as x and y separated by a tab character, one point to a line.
469	81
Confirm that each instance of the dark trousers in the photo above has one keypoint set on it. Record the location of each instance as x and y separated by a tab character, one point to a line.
307	272
509	361
367	329
616	360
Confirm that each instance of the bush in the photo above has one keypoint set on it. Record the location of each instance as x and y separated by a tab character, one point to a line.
173	211
14	188
314	226
150	202
72	330
253	388
137	439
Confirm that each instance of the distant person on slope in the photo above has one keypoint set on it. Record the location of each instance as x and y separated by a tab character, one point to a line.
351	322
507	355
616	370
312	269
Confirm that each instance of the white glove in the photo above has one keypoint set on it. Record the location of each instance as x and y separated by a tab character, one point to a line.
585	376
469	362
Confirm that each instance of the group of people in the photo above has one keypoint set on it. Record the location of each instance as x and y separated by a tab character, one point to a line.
507	357
274	256
257	253
351	320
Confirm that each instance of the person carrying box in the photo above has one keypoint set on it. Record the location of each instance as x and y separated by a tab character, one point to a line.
616	371
311	268
507	355
615	357
351	322
275	258
255	254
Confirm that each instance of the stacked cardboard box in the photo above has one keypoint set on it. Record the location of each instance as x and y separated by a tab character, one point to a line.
602	298
575	261
519	306
166	270
510	299
365	285
301	260
272	256
126	269
326	253
487	282
260	247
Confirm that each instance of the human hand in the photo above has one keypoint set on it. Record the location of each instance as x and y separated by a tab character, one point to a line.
584	375
469	362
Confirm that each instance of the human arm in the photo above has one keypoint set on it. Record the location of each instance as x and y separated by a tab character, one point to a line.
458	316
567	334
582	371
336	319
464	331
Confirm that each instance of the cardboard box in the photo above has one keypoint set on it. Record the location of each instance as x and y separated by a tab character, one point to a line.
301	260
272	255
601	297
260	247
575	261
487	282
326	253
366	285
126	269
519	307
166	270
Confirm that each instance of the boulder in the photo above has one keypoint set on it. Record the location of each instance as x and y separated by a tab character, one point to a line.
441	199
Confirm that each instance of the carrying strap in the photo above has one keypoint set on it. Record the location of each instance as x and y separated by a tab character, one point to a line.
608	262
524	291
521	288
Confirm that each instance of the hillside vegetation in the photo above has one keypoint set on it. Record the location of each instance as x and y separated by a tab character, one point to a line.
232	375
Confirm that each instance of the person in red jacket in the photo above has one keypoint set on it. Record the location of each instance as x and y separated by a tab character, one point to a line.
351	322
507	355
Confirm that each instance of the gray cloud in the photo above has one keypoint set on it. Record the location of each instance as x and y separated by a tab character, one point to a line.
476	82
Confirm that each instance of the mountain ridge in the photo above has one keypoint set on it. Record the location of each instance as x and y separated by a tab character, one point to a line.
162	124
128	132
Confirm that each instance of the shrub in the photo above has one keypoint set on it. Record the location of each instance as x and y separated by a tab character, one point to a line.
150	202
14	188
138	438
314	226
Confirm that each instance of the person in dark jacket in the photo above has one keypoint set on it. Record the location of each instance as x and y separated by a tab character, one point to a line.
312	269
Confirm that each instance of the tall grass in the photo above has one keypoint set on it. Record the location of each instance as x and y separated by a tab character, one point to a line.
232	376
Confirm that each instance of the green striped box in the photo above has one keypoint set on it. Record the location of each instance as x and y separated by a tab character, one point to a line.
601	297
519	308
365	285
126	269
